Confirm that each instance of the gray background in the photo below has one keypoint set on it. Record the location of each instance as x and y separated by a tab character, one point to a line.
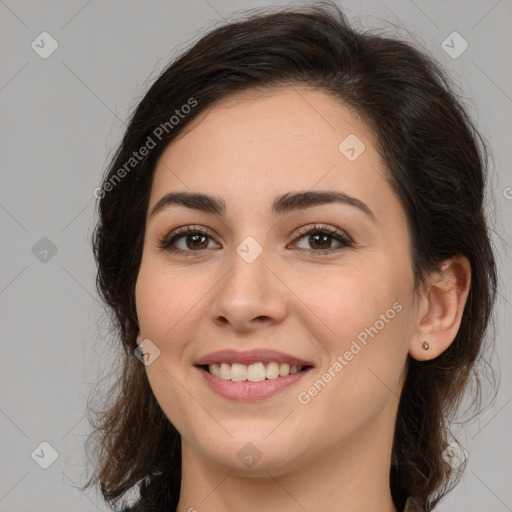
60	119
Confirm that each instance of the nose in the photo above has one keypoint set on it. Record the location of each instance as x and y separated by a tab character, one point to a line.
249	296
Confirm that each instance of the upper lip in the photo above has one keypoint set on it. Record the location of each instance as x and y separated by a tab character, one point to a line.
250	357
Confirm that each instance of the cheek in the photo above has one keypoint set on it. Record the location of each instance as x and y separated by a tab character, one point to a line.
163	296
165	312
363	326
360	378
171	302
347	298
151	298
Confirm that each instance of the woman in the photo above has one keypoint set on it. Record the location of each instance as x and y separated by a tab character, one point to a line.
293	243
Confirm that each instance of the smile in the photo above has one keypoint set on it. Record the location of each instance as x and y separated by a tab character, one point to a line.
251	375
255	372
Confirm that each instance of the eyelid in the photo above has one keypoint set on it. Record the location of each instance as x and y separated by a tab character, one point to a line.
326	228
165	242
344	241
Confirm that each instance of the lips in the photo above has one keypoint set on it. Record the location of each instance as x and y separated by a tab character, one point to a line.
251	375
231	356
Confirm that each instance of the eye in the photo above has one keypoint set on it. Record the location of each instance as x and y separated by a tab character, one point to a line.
195	239
321	237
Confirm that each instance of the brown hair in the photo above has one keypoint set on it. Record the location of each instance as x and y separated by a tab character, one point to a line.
436	162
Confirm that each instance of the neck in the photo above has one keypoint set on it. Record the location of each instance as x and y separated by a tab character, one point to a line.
351	477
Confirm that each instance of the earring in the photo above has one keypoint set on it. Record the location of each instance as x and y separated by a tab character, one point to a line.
425	345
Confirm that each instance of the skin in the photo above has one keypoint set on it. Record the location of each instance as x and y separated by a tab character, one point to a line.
332	453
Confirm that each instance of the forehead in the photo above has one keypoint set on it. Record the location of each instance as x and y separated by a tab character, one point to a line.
262	142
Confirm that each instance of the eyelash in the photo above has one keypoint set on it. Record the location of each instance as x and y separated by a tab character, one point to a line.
165	243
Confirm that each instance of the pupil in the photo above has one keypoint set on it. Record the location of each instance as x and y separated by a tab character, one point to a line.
324	236
196	238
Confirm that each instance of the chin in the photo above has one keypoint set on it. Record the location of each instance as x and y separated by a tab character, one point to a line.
245	455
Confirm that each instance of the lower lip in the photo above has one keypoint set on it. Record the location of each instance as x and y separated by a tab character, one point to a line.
250	391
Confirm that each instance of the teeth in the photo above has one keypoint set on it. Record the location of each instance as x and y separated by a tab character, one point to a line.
225	371
284	369
215	369
238	372
272	370
256	372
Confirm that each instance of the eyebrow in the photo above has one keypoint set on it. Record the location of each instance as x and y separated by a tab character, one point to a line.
286	203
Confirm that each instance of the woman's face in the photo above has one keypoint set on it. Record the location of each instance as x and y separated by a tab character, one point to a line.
276	279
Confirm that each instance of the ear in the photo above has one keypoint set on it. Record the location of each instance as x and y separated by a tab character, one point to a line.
440	308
